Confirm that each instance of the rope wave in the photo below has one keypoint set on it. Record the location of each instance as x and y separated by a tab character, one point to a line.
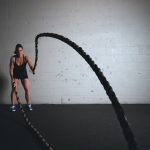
127	132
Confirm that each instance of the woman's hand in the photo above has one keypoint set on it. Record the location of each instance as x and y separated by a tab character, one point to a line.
13	85
33	71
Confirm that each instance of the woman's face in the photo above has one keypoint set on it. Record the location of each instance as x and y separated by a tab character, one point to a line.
20	52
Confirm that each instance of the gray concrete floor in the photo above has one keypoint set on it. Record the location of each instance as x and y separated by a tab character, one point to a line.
74	127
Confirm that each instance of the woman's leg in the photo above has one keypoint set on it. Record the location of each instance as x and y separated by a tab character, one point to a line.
26	84
13	94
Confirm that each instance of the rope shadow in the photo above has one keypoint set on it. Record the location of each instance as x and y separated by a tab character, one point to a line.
3	85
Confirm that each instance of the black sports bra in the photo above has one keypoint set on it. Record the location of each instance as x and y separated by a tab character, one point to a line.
24	62
20	71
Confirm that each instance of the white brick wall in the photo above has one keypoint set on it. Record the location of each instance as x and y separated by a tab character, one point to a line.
115	33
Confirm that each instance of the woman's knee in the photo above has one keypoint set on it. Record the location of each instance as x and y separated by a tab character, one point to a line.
27	91
12	92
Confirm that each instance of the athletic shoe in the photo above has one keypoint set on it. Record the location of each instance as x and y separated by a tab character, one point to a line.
13	108
29	107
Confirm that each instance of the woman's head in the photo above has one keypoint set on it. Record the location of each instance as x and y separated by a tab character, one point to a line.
19	50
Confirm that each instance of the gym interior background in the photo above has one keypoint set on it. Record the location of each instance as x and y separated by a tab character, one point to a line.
116	34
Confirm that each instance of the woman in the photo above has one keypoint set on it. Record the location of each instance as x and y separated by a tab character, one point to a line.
18	72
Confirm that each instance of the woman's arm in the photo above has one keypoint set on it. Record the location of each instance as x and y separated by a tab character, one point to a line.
30	63
11	67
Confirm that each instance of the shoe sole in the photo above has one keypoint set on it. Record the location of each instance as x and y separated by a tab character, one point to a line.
13	110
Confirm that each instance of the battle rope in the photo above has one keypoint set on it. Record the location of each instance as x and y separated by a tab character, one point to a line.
132	145
28	122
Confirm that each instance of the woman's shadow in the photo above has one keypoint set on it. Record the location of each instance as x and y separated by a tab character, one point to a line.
3	86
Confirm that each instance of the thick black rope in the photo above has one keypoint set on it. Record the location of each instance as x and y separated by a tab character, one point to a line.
30	125
132	145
